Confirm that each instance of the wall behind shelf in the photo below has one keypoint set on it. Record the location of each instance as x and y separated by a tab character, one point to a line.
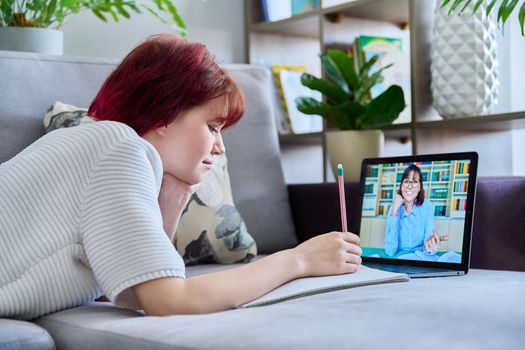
302	160
224	34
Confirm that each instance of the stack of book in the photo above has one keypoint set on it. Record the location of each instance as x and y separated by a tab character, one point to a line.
276	10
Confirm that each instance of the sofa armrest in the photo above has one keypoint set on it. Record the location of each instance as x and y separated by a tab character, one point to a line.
498	238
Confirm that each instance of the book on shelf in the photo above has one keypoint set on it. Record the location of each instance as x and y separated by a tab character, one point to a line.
370	188
459	204
439	193
275	10
300	6
289	119
461	186
383	208
389	51
386	194
441	175
462	168
440	210
372	171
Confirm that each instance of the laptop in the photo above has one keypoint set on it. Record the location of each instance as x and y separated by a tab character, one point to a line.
417	212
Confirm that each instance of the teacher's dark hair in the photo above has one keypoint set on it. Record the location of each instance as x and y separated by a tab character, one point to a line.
421	195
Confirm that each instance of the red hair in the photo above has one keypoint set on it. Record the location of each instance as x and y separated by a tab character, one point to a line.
159	79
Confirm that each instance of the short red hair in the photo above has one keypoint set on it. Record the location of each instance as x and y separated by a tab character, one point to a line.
159	79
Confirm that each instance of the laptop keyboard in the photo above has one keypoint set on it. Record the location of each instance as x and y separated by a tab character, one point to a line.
401	269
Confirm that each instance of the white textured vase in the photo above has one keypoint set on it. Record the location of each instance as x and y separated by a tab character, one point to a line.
464	63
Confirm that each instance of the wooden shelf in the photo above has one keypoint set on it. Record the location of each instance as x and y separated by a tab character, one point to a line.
494	122
302	25
314	137
393	11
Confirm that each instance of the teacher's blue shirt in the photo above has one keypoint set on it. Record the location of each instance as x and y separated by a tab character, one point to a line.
409	231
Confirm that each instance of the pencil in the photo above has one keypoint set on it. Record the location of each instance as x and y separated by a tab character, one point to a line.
342	202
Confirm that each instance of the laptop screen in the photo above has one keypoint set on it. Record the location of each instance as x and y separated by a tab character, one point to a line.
416	210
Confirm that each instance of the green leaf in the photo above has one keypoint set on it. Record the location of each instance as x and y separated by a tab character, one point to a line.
132	6
444	3
367	66
477	5
362	93
465	7
490	6
179	22
383	109
506	11
521	17
122	11
154	13
346	66
456	4
6	12
344	116
333	72
99	15
330	90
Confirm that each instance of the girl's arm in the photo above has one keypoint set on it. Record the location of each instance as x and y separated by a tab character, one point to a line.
331	253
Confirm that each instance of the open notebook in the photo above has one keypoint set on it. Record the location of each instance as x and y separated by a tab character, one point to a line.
302	287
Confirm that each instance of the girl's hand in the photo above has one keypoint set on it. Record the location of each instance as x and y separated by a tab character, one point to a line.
329	254
173	197
173	187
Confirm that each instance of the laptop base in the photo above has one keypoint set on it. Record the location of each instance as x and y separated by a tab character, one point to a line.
415	272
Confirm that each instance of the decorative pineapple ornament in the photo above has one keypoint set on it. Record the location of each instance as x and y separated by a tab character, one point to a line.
464	63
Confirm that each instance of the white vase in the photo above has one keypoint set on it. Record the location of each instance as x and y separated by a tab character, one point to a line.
350	147
40	40
464	63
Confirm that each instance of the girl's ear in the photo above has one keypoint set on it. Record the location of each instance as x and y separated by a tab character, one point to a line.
161	131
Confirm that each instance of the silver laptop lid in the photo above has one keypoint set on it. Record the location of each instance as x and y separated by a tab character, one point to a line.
418	210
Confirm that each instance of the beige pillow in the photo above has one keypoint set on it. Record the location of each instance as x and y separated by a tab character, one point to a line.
211	229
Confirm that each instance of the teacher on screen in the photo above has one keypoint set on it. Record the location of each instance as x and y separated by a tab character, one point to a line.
410	222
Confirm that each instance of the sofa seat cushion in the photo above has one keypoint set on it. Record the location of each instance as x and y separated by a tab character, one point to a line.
483	309
23	335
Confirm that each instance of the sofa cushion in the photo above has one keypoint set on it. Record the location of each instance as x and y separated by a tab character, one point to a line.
31	82
23	335
476	311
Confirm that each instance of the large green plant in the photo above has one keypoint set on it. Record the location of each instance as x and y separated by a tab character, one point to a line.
506	7
51	13
347	102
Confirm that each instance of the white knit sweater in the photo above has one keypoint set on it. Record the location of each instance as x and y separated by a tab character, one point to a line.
79	218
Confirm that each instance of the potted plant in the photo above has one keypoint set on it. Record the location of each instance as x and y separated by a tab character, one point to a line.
33	25
348	105
504	11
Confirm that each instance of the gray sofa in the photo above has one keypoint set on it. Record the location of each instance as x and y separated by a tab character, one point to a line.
484	309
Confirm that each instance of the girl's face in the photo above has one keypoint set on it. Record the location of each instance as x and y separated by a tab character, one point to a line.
187	145
411	186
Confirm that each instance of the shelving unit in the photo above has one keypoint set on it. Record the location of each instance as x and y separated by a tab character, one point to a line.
301	38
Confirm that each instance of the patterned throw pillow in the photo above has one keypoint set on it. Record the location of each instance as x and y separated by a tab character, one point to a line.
211	229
